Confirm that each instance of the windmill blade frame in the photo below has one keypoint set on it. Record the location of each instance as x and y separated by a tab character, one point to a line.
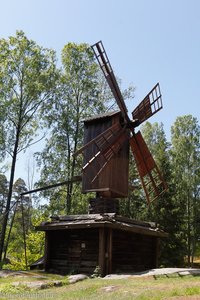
107	145
102	139
105	66
150	105
150	175
114	149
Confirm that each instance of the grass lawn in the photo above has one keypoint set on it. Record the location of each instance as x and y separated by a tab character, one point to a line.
174	287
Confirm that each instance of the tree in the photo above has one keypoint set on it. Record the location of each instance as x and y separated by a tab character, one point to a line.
27	81
23	245
135	204
3	196
2	140
19	218
186	176
165	211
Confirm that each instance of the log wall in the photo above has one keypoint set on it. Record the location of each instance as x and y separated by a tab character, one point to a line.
115	251
73	251
133	252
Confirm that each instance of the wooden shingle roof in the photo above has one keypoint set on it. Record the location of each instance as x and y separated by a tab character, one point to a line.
108	220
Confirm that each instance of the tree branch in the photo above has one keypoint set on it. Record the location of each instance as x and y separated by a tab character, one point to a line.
31	144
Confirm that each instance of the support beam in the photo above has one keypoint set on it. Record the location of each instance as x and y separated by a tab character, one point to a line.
102	251
157	251
46	251
109	251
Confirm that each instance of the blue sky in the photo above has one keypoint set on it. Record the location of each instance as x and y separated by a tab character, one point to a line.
146	41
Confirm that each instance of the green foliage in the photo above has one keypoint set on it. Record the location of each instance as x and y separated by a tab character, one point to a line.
165	210
2	139
34	245
27	80
97	272
21	235
8	289
135	204
185	153
3	193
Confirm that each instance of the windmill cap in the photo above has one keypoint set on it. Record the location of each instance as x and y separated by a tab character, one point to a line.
101	116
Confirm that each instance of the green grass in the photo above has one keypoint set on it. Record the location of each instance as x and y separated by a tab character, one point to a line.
104	289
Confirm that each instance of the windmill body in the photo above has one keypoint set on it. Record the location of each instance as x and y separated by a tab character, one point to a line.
110	182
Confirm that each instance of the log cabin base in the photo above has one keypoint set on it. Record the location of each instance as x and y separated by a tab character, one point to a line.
114	244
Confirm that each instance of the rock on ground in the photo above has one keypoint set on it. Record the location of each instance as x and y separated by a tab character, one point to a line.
77	277
157	272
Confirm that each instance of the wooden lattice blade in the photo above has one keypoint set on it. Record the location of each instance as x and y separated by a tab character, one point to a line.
102	140
99	161
105	65
151	178
105	146
112	151
150	105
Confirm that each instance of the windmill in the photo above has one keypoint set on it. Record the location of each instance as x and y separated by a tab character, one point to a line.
108	138
103	237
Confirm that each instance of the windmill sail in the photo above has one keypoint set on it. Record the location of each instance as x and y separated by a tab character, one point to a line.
151	104
105	65
112	151
150	175
103	140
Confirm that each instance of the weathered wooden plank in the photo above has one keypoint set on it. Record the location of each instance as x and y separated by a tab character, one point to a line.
135	222
67	254
78	217
88	263
134	252
58	262
103	205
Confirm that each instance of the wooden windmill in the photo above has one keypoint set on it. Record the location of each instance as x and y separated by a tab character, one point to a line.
104	238
107	140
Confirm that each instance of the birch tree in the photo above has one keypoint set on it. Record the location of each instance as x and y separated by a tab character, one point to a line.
186	176
27	82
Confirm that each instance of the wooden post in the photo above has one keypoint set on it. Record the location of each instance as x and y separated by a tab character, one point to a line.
46	251
157	251
102	251
109	252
